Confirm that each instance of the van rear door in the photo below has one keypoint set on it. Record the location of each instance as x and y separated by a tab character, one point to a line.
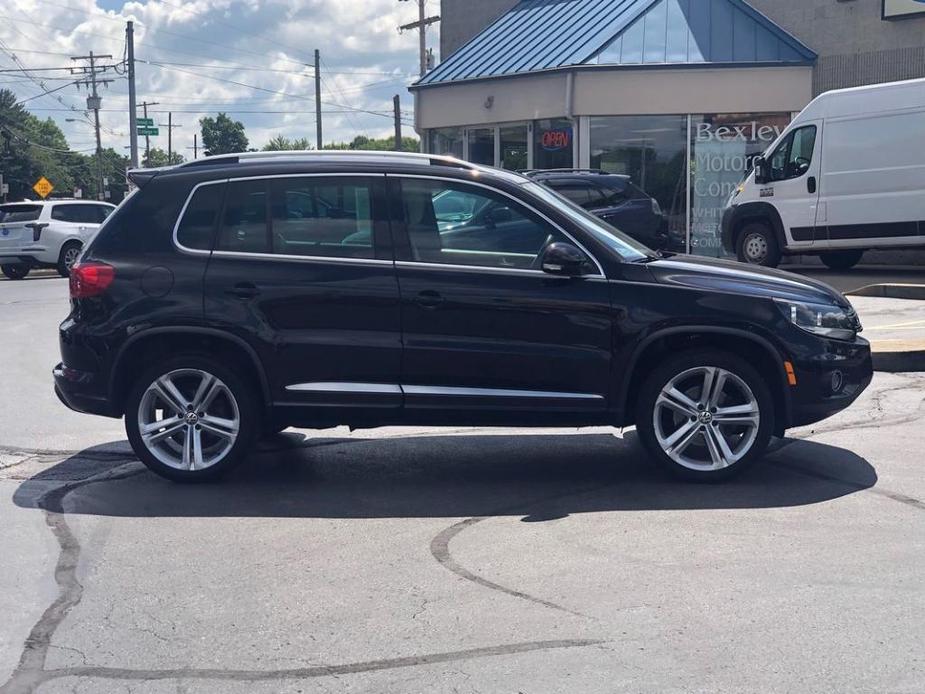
792	185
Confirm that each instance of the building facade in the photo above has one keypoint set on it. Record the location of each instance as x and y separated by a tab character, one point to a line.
680	95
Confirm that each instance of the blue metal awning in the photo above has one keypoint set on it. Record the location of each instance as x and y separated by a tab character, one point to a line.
538	35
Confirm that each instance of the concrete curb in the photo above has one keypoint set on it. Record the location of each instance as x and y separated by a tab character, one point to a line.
899	362
891	291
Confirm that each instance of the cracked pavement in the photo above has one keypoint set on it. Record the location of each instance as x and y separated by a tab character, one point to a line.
406	560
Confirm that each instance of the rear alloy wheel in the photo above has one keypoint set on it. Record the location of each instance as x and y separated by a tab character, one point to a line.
705	415
191	419
70	252
757	245
15	271
841	260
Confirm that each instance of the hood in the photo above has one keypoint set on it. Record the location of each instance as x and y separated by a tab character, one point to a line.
739	278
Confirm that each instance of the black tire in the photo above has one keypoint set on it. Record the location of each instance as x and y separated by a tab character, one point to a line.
15	271
684	363
757	245
67	257
841	260
248	412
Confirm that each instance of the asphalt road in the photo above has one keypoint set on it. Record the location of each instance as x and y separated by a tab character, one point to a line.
412	560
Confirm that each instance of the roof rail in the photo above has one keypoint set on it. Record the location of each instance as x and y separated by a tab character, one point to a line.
331	155
531	172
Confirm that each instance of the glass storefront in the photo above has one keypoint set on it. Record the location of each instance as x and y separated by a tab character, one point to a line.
515	139
482	146
652	151
446	141
723	149
690	178
554	142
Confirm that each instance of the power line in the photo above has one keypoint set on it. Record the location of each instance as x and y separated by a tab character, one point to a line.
264	89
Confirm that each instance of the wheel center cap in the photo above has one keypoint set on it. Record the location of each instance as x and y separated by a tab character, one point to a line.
706	417
192	418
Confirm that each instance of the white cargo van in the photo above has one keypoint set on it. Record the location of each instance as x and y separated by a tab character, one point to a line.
847	175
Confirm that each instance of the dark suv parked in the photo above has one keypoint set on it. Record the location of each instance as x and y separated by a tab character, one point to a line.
241	294
614	199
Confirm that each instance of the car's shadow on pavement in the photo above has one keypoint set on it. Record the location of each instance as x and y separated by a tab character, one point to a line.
537	476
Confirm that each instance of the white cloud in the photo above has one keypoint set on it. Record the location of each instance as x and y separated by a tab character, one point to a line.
252	42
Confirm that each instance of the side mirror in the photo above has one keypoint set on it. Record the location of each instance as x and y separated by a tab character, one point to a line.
760	170
563	259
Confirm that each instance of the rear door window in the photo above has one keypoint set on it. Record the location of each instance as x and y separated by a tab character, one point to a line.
321	216
197	226
19	213
244	223
68	213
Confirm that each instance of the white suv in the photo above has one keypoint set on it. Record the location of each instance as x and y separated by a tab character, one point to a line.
48	233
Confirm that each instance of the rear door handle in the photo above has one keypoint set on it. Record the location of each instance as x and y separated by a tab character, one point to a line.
811	184
429	299
244	290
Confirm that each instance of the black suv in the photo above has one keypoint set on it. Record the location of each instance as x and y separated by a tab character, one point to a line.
614	199
238	295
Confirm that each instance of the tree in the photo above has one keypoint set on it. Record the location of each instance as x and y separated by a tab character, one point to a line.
361	142
282	144
222	135
31	148
158	157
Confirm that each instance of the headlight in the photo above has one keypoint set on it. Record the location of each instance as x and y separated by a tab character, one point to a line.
827	320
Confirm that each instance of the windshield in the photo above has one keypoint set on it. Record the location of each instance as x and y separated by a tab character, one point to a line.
19	213
629	249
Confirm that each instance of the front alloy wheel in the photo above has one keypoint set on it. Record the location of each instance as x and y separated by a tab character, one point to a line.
190	420
705	416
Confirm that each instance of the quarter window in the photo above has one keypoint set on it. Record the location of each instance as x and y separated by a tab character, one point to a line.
19	213
456	224
197	227
794	155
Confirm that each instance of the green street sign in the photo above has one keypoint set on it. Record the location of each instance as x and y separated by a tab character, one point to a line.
148	132
144	122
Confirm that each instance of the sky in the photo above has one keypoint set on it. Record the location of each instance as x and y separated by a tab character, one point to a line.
249	58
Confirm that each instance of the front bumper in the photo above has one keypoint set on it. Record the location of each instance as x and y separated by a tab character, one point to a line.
829	380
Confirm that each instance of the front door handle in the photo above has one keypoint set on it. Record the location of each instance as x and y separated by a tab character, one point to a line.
811	184
429	299
244	290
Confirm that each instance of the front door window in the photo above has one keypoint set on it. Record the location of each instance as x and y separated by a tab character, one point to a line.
456	224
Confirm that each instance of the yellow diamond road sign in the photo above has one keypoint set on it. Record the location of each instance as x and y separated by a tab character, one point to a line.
43	187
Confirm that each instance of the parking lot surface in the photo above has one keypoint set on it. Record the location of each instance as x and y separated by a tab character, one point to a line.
431	560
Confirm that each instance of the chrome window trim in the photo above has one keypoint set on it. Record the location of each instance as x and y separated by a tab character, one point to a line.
496	392
399	389
520	202
273	256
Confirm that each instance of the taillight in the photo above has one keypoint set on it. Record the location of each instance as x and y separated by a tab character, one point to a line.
90	279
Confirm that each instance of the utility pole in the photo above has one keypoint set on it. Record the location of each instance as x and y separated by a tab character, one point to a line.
132	109
170	126
318	138
144	106
94	102
421	25
195	146
396	106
